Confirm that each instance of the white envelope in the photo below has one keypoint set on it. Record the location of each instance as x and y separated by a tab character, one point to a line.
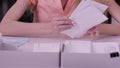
85	20
105	47
47	47
99	6
77	46
86	3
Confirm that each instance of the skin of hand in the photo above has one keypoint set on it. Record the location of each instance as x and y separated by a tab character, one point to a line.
92	32
59	24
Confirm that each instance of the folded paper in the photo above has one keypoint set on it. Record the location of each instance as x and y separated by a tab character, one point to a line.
86	16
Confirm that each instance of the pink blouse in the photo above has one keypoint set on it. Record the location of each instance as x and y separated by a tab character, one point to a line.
47	9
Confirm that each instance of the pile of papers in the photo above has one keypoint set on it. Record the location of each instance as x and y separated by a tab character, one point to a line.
87	15
77	46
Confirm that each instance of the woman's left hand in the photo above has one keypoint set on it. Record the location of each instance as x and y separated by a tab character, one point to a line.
92	32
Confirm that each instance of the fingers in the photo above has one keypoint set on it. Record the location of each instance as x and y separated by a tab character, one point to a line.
61	23
93	32
67	22
63	27
63	19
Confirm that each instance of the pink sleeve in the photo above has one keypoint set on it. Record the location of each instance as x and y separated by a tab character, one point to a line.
32	2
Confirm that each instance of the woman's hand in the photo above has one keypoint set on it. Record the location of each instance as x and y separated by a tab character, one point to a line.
59	24
93	32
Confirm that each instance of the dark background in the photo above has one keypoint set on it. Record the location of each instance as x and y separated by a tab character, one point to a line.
27	17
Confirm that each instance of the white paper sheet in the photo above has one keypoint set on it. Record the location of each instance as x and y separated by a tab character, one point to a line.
106	47
86	3
99	6
87	15
84	21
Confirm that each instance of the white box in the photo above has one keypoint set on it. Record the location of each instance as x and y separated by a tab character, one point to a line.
88	60
48	57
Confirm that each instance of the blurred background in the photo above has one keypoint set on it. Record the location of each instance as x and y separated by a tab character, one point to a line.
6	4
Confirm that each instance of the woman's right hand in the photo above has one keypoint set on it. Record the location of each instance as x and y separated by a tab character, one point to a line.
59	24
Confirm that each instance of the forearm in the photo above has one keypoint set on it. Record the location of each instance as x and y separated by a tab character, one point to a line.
114	9
109	29
23	29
